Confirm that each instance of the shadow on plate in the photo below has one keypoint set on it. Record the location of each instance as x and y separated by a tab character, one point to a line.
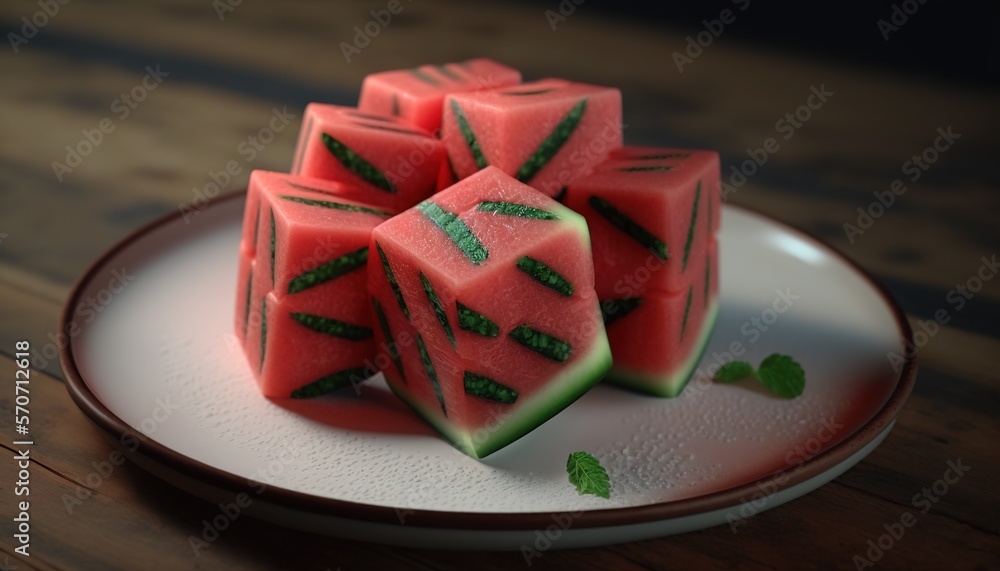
373	409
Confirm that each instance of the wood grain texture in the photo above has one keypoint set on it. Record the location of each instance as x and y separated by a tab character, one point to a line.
226	80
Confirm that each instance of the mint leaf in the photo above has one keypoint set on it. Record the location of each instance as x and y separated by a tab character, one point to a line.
587	474
782	375
779	373
734	371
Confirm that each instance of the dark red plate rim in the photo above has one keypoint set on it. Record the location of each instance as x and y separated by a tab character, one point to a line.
826	460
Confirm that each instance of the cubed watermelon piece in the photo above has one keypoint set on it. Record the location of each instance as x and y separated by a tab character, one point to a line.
396	164
307	317
416	94
546	133
657	339
485	295
651	211
653	214
308	347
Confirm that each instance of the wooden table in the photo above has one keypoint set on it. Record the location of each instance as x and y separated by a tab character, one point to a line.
223	77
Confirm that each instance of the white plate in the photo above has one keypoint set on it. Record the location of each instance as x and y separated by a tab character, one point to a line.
159	360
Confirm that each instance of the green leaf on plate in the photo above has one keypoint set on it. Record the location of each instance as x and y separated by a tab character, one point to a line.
587	474
782	375
734	371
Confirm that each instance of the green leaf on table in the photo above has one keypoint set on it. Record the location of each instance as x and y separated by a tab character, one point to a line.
587	474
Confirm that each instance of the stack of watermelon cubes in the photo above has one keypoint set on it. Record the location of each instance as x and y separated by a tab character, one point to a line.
421	235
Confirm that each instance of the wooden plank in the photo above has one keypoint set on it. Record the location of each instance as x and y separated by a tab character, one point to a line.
147	166
30	314
119	517
960	353
730	99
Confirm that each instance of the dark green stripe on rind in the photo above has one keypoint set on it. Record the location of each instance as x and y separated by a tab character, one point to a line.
337	206
614	309
687	310
256	227
663	156
691	228
542	343
475	322
645	169
514	209
331	383
708	276
329	271
469	136
551	145
246	312
274	245
543	274
535	92
304	135
447	72
451	170
390	341
298	186
263	331
425	358
442	317
423	76
332	327
459	233
487	388
388	128
630	227
357	165
391	277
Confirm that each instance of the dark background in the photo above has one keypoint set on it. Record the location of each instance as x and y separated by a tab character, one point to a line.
950	40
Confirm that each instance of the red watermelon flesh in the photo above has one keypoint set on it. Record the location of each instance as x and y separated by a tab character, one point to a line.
416	94
396	164
546	133
310	348
657	344
653	213
309	315
465	250
641	207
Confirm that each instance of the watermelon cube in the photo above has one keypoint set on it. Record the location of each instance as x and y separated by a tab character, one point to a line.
649	211
653	214
307	317
657	339
396	164
484	295
545	133
416	95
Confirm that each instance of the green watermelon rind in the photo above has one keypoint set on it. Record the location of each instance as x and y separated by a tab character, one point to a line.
669	386
559	393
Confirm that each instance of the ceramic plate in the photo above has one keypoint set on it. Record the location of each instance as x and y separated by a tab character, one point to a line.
159	362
